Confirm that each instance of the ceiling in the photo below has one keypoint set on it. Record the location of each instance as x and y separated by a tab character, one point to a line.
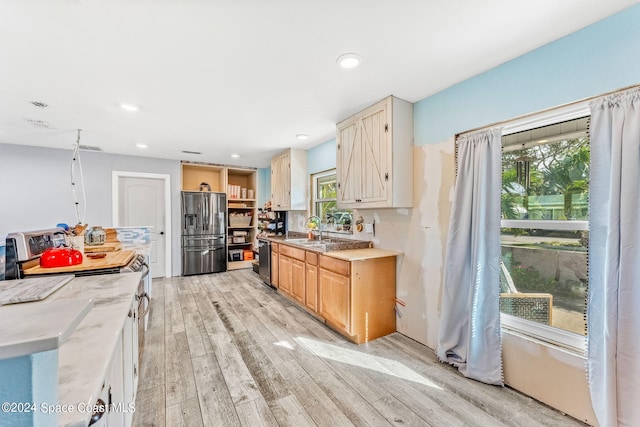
245	76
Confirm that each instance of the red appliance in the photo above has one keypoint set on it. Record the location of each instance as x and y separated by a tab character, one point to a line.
60	257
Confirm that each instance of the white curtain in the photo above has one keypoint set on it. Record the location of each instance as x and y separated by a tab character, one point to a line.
613	314
469	334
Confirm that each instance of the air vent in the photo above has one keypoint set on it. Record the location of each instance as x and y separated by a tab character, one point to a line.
191	152
90	148
38	123
39	104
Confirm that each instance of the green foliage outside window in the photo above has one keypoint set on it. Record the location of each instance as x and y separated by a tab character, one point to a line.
548	181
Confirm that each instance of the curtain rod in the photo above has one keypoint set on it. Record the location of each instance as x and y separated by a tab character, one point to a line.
546	110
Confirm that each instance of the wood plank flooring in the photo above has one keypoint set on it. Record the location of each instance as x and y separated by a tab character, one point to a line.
226	350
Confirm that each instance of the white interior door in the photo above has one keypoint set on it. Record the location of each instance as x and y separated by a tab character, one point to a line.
142	203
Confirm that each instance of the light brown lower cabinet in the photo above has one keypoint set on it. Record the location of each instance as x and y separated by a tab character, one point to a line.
292	272
274	265
356	298
311	281
284	274
335	299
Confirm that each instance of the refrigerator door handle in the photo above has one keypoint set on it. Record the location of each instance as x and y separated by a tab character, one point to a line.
203	250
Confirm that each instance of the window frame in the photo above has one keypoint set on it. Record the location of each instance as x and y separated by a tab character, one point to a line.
315	177
555	336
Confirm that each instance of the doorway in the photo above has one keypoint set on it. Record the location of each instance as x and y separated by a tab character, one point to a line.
143	200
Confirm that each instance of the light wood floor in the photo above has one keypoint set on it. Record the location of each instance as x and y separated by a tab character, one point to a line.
225	350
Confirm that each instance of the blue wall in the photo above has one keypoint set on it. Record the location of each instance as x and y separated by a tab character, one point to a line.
263	192
598	59
322	157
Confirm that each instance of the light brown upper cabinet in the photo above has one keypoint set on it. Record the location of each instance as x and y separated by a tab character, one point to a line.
374	163
289	181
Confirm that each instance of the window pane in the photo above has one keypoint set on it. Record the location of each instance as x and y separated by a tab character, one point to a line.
547	181
544	276
326	187
325	205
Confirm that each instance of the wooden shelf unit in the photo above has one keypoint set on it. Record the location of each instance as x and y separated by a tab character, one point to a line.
220	178
194	174
245	179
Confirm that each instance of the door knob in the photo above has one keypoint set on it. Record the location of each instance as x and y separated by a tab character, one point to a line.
162	233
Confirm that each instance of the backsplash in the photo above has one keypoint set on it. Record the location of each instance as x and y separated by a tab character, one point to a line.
134	235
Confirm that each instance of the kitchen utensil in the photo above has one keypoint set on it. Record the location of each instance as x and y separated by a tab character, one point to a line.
96	255
75	242
60	257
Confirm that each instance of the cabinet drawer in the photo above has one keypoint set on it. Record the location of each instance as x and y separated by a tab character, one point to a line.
312	258
336	265
292	252
274	247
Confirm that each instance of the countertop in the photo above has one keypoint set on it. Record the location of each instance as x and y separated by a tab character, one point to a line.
324	246
361	254
345	249
84	359
26	328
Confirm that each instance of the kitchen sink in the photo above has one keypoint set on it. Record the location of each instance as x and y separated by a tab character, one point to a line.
309	242
300	241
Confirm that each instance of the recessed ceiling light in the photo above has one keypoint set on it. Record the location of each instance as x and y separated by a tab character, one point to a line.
349	60
302	136
142	146
235	156
129	107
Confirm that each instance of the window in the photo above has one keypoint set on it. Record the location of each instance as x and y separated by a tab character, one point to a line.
324	203
544	234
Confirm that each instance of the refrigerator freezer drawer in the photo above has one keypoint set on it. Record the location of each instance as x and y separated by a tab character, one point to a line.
203	260
203	241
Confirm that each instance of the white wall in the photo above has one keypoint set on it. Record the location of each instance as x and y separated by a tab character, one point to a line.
36	188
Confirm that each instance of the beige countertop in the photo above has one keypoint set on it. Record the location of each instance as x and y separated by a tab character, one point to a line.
361	254
348	254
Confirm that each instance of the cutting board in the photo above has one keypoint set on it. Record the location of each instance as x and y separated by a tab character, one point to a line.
32	289
111	260
106	247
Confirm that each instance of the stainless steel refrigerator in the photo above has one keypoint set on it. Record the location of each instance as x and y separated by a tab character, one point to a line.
204	224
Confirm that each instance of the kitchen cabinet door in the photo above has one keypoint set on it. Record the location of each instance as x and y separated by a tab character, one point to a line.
130	359
311	284
280	183
285	279
289	181
334	294
348	162
275	270
374	156
115	386
298	289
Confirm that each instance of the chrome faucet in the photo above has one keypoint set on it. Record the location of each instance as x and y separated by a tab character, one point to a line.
319	223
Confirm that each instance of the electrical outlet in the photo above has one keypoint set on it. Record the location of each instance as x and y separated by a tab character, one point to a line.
368	227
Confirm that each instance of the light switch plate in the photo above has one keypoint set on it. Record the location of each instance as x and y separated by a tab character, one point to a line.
368	227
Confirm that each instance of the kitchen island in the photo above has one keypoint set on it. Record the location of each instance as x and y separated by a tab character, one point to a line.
94	353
